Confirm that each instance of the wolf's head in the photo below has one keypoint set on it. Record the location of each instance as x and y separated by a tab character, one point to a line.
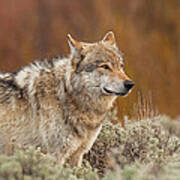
99	68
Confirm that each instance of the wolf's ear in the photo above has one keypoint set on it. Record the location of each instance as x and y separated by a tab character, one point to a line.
109	38
74	45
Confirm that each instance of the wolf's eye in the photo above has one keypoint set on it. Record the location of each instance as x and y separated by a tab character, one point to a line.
105	66
122	66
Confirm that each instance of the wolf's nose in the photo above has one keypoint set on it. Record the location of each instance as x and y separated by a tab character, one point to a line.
128	84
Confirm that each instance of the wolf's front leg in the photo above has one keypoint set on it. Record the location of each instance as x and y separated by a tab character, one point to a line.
62	158
76	158
68	149
86	144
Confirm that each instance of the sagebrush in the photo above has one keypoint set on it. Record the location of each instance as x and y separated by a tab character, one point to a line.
148	149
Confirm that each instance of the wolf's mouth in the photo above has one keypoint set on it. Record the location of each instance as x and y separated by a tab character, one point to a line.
109	92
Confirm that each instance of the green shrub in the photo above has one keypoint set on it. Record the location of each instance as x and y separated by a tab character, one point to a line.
144	141
145	150
31	164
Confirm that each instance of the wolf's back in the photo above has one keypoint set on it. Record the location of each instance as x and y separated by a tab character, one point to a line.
8	88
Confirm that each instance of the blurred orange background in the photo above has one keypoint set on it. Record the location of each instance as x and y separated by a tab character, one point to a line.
147	32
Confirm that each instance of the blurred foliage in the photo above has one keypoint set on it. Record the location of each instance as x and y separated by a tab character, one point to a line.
33	165
145	150
147	32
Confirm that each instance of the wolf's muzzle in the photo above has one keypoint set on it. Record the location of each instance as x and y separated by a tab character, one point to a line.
118	89
128	84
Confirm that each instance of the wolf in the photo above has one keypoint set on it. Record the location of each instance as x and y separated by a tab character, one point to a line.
60	104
